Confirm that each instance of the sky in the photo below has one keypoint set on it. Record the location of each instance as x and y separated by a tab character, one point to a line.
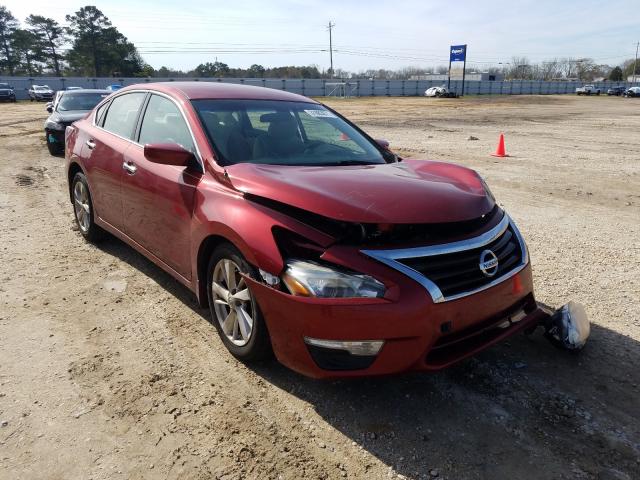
368	34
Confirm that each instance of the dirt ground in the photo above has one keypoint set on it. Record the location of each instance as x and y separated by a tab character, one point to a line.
109	370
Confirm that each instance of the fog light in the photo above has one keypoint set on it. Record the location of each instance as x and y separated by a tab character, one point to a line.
354	347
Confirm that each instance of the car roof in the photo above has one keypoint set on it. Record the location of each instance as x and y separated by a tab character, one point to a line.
86	90
214	90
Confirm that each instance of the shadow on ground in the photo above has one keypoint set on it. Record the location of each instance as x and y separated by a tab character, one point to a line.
522	409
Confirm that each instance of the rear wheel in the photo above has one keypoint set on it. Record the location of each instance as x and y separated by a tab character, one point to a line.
234	309
83	209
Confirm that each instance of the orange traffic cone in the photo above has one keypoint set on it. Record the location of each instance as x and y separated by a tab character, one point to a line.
500	151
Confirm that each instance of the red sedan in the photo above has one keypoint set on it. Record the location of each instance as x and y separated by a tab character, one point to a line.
303	236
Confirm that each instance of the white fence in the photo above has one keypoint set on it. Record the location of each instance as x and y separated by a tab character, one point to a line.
324	87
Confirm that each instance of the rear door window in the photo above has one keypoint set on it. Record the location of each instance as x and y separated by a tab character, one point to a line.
122	115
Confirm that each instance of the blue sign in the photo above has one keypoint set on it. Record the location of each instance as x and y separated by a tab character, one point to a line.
457	53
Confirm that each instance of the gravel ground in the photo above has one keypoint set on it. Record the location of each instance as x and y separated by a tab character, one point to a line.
109	370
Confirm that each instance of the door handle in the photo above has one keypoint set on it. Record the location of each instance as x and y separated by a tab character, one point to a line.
129	167
91	144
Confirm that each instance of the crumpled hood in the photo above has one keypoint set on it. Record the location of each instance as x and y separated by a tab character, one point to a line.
412	191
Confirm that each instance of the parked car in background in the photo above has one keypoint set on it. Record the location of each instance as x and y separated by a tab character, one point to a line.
115	87
7	93
617	91
302	234
588	90
441	91
40	93
632	92
69	106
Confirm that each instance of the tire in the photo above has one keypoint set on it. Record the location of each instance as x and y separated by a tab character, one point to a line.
54	148
248	344
83	209
598	93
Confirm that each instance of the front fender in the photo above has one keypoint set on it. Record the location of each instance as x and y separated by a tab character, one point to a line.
225	213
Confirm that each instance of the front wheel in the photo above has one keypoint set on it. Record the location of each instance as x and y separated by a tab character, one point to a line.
234	309
83	209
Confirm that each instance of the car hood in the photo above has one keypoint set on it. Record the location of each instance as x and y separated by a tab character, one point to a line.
412	191
68	117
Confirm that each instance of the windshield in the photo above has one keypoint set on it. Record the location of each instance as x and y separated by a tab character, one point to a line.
38	87
282	133
79	101
4	85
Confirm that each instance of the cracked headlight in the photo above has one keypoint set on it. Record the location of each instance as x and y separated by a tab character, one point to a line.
308	279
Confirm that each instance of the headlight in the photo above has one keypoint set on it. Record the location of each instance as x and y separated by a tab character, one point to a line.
307	279
54	126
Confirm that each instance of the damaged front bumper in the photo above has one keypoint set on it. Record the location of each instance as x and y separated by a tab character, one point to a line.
567	327
327	338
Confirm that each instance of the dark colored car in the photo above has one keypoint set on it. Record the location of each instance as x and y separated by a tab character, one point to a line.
302	234
69	106
7	93
40	93
617	91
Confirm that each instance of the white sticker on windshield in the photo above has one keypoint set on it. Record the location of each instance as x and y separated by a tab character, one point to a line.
321	113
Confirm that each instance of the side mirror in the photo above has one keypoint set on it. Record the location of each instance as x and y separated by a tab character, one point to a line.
50	107
167	154
383	143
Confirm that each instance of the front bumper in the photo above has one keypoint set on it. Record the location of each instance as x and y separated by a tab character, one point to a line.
418	334
54	136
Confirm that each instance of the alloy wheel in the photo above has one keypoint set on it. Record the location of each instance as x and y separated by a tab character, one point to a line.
233	303
81	206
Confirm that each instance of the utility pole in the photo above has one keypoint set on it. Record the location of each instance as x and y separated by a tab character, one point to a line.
330	27
635	62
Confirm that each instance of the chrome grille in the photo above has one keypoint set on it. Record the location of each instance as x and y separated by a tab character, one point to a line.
452	270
